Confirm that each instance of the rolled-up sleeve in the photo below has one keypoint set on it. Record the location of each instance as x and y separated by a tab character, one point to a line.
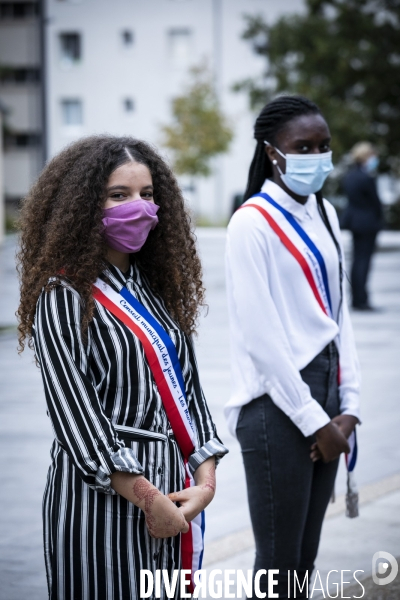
208	442
80	425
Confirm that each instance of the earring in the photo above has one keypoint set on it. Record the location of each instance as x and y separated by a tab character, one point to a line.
274	162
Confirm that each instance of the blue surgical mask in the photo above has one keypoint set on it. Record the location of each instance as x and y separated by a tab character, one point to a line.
371	164
305	173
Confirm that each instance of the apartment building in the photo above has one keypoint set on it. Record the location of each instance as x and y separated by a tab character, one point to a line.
20	96
115	65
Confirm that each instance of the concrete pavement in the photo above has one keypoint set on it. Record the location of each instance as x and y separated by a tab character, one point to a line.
25	434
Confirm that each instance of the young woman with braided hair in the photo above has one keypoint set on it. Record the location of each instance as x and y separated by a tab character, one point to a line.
292	408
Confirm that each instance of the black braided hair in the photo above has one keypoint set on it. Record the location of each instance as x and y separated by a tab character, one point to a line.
269	123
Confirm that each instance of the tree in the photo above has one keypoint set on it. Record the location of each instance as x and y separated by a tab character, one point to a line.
344	55
199	130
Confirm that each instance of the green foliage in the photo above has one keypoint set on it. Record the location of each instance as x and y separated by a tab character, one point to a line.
10	222
199	130
345	56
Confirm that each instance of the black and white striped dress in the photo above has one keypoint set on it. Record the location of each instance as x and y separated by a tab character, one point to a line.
102	399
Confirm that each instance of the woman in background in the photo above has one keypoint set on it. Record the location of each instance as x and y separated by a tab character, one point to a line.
289	326
363	217
105	230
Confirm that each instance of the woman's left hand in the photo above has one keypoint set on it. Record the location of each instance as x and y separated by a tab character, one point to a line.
192	501
195	499
346	424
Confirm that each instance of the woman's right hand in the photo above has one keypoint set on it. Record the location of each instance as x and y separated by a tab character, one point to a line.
163	518
331	442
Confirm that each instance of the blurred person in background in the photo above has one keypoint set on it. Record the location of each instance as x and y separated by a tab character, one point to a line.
108	268
289	325
363	217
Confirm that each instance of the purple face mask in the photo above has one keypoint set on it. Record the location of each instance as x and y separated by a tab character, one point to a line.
127	225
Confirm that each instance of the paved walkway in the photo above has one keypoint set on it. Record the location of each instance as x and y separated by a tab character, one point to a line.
25	435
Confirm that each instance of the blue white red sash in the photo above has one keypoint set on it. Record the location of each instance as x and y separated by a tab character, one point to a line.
352	492
301	246
163	360
312	263
351	457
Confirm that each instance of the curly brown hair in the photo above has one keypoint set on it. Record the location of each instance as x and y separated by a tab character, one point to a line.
61	232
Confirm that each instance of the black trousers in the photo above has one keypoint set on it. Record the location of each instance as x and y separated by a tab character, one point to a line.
288	494
363	249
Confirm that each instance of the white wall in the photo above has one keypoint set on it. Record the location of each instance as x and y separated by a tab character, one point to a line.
108	73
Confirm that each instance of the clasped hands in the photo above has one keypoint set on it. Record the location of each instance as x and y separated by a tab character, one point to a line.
163	517
331	440
194	499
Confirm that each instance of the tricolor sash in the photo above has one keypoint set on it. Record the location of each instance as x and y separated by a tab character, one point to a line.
301	246
352	492
164	363
312	263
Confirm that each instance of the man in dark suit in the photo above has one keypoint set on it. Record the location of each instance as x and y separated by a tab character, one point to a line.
363	217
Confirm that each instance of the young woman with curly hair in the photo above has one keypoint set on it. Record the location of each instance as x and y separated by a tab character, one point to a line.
107	258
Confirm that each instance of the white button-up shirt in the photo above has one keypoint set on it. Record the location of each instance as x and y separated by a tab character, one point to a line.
277	328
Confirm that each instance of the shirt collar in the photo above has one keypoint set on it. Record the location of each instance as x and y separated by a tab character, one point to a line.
118	279
300	211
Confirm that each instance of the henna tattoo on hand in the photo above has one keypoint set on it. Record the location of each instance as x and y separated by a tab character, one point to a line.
209	482
147	492
141	487
159	527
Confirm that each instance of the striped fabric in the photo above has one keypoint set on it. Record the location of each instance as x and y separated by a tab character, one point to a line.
95	541
211	448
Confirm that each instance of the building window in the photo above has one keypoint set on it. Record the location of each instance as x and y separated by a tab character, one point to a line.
180	46
129	105
71	113
11	75
18	10
70	48
127	38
